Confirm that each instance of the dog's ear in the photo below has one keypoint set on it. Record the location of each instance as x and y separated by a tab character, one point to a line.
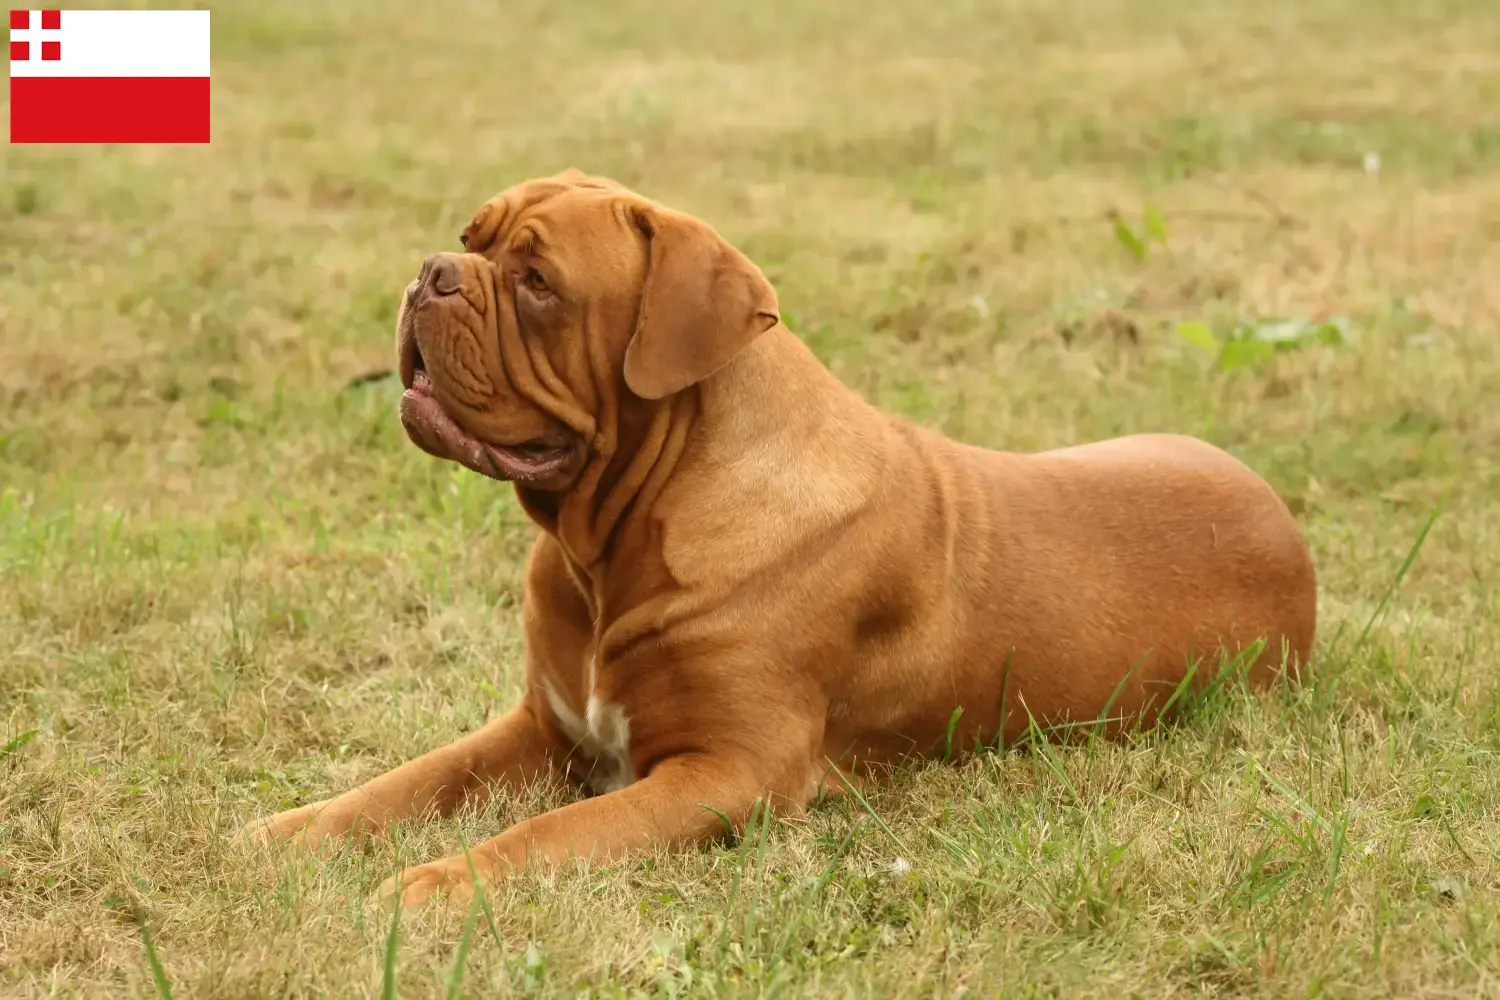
703	303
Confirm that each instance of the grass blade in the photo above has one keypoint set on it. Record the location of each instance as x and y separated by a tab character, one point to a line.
1042	747
1114	695
1334	857
948	736
1010	659
16	744
1405	567
817	894
1129	239
480	894
833	862
1182	686
1155	225
392	942
1290	795
759	869
456	977
739	872
858	797
728	826
158	971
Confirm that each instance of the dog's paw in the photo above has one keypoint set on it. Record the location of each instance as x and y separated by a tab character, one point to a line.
418	885
302	826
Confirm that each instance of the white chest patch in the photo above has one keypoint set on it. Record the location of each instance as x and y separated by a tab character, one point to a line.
602	736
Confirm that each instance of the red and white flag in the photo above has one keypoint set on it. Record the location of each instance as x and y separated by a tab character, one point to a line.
109	76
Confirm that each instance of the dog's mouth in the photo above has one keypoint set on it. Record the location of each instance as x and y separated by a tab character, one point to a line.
537	462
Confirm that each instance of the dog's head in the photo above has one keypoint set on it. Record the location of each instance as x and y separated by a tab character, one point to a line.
573	299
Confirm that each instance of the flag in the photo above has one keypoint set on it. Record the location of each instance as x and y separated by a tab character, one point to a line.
109	76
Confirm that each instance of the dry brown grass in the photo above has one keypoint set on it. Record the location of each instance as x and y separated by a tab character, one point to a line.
228	585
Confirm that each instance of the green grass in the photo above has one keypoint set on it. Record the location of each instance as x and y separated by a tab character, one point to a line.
228	585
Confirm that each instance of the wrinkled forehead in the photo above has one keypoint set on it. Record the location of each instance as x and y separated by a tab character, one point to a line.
570	209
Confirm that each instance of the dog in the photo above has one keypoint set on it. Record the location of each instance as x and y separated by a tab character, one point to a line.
750	584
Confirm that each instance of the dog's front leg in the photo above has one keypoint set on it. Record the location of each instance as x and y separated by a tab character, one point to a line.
679	803
515	749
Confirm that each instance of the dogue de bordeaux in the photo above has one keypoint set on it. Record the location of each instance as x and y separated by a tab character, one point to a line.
751	584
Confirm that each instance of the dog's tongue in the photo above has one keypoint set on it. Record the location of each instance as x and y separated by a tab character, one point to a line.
438	434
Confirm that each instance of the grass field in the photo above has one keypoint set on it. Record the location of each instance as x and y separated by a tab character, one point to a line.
229	585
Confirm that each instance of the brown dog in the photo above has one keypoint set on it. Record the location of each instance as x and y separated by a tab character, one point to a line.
750	583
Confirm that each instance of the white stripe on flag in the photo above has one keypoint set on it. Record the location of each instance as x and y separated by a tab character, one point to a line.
117	43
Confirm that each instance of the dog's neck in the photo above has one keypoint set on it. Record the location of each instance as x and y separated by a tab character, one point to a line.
635	448
781	451
772	439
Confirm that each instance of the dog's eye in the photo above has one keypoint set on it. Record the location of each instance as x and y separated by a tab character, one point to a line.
533	280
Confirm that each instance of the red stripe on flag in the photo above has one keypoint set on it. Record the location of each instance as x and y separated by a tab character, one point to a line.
109	109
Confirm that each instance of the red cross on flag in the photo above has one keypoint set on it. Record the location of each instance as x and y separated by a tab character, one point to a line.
109	76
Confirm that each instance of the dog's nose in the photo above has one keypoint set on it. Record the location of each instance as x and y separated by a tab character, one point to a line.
442	274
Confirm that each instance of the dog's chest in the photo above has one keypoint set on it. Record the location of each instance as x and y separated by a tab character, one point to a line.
601	736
